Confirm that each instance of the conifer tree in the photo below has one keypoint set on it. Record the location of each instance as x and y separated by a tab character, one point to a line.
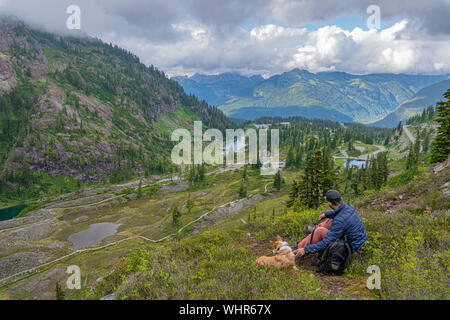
242	189
176	215
189	204
317	178
139	193
290	159
441	144
277	180
426	142
411	158
293	193
60	295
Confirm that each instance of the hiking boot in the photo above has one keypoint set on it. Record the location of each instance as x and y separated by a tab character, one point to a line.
310	229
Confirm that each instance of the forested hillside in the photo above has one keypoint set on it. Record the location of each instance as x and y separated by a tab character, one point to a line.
424	98
75	110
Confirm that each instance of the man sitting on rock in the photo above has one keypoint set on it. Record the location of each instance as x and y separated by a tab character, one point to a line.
343	220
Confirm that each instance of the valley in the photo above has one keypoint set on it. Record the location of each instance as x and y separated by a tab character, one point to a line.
141	212
336	96
88	177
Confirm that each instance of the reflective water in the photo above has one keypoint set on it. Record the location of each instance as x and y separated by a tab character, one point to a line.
94	235
9	213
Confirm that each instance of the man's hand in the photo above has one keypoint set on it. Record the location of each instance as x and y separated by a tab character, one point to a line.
299	252
322	216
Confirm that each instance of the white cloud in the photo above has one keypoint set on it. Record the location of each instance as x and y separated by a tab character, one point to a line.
259	36
371	51
271	32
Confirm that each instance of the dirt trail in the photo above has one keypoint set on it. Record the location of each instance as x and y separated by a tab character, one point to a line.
361	157
25	273
409	134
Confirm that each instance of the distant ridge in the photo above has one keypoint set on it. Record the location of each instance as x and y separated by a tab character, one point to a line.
328	95
422	99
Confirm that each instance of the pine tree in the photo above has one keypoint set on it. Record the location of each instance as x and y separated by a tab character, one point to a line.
176	215
277	180
293	193
201	173
426	142
242	190
189	204
417	149
441	144
400	128
318	178
139	193
411	159
290	159
191	175
60	295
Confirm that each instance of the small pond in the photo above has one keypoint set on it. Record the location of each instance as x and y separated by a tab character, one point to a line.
94	235
9	213
356	164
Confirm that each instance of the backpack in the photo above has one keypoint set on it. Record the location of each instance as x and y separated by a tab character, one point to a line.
335	258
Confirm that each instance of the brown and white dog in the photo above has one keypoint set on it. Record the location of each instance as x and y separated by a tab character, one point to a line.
283	256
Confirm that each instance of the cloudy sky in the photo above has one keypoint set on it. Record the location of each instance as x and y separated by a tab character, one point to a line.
261	36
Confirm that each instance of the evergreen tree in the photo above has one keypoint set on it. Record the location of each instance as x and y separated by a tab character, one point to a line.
400	128
277	180
426	142
176	215
242	189
411	159
441	145
290	159
189	204
293	193
318	177
60	295
201	172
139	193
244	174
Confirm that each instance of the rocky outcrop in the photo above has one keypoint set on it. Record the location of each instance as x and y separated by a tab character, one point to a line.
227	211
7	75
21	261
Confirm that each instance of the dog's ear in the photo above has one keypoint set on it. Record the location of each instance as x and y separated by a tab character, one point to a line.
278	238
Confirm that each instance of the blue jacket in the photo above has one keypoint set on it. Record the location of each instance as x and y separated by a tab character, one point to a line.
346	221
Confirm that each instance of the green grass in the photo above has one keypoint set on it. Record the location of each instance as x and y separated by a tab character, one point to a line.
411	246
208	266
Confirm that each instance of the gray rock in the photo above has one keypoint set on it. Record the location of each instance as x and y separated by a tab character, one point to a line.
109	297
81	219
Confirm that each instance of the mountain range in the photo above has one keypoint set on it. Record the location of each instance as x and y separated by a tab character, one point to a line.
336	96
425	97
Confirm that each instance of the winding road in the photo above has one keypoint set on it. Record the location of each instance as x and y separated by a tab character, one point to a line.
409	134
363	157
